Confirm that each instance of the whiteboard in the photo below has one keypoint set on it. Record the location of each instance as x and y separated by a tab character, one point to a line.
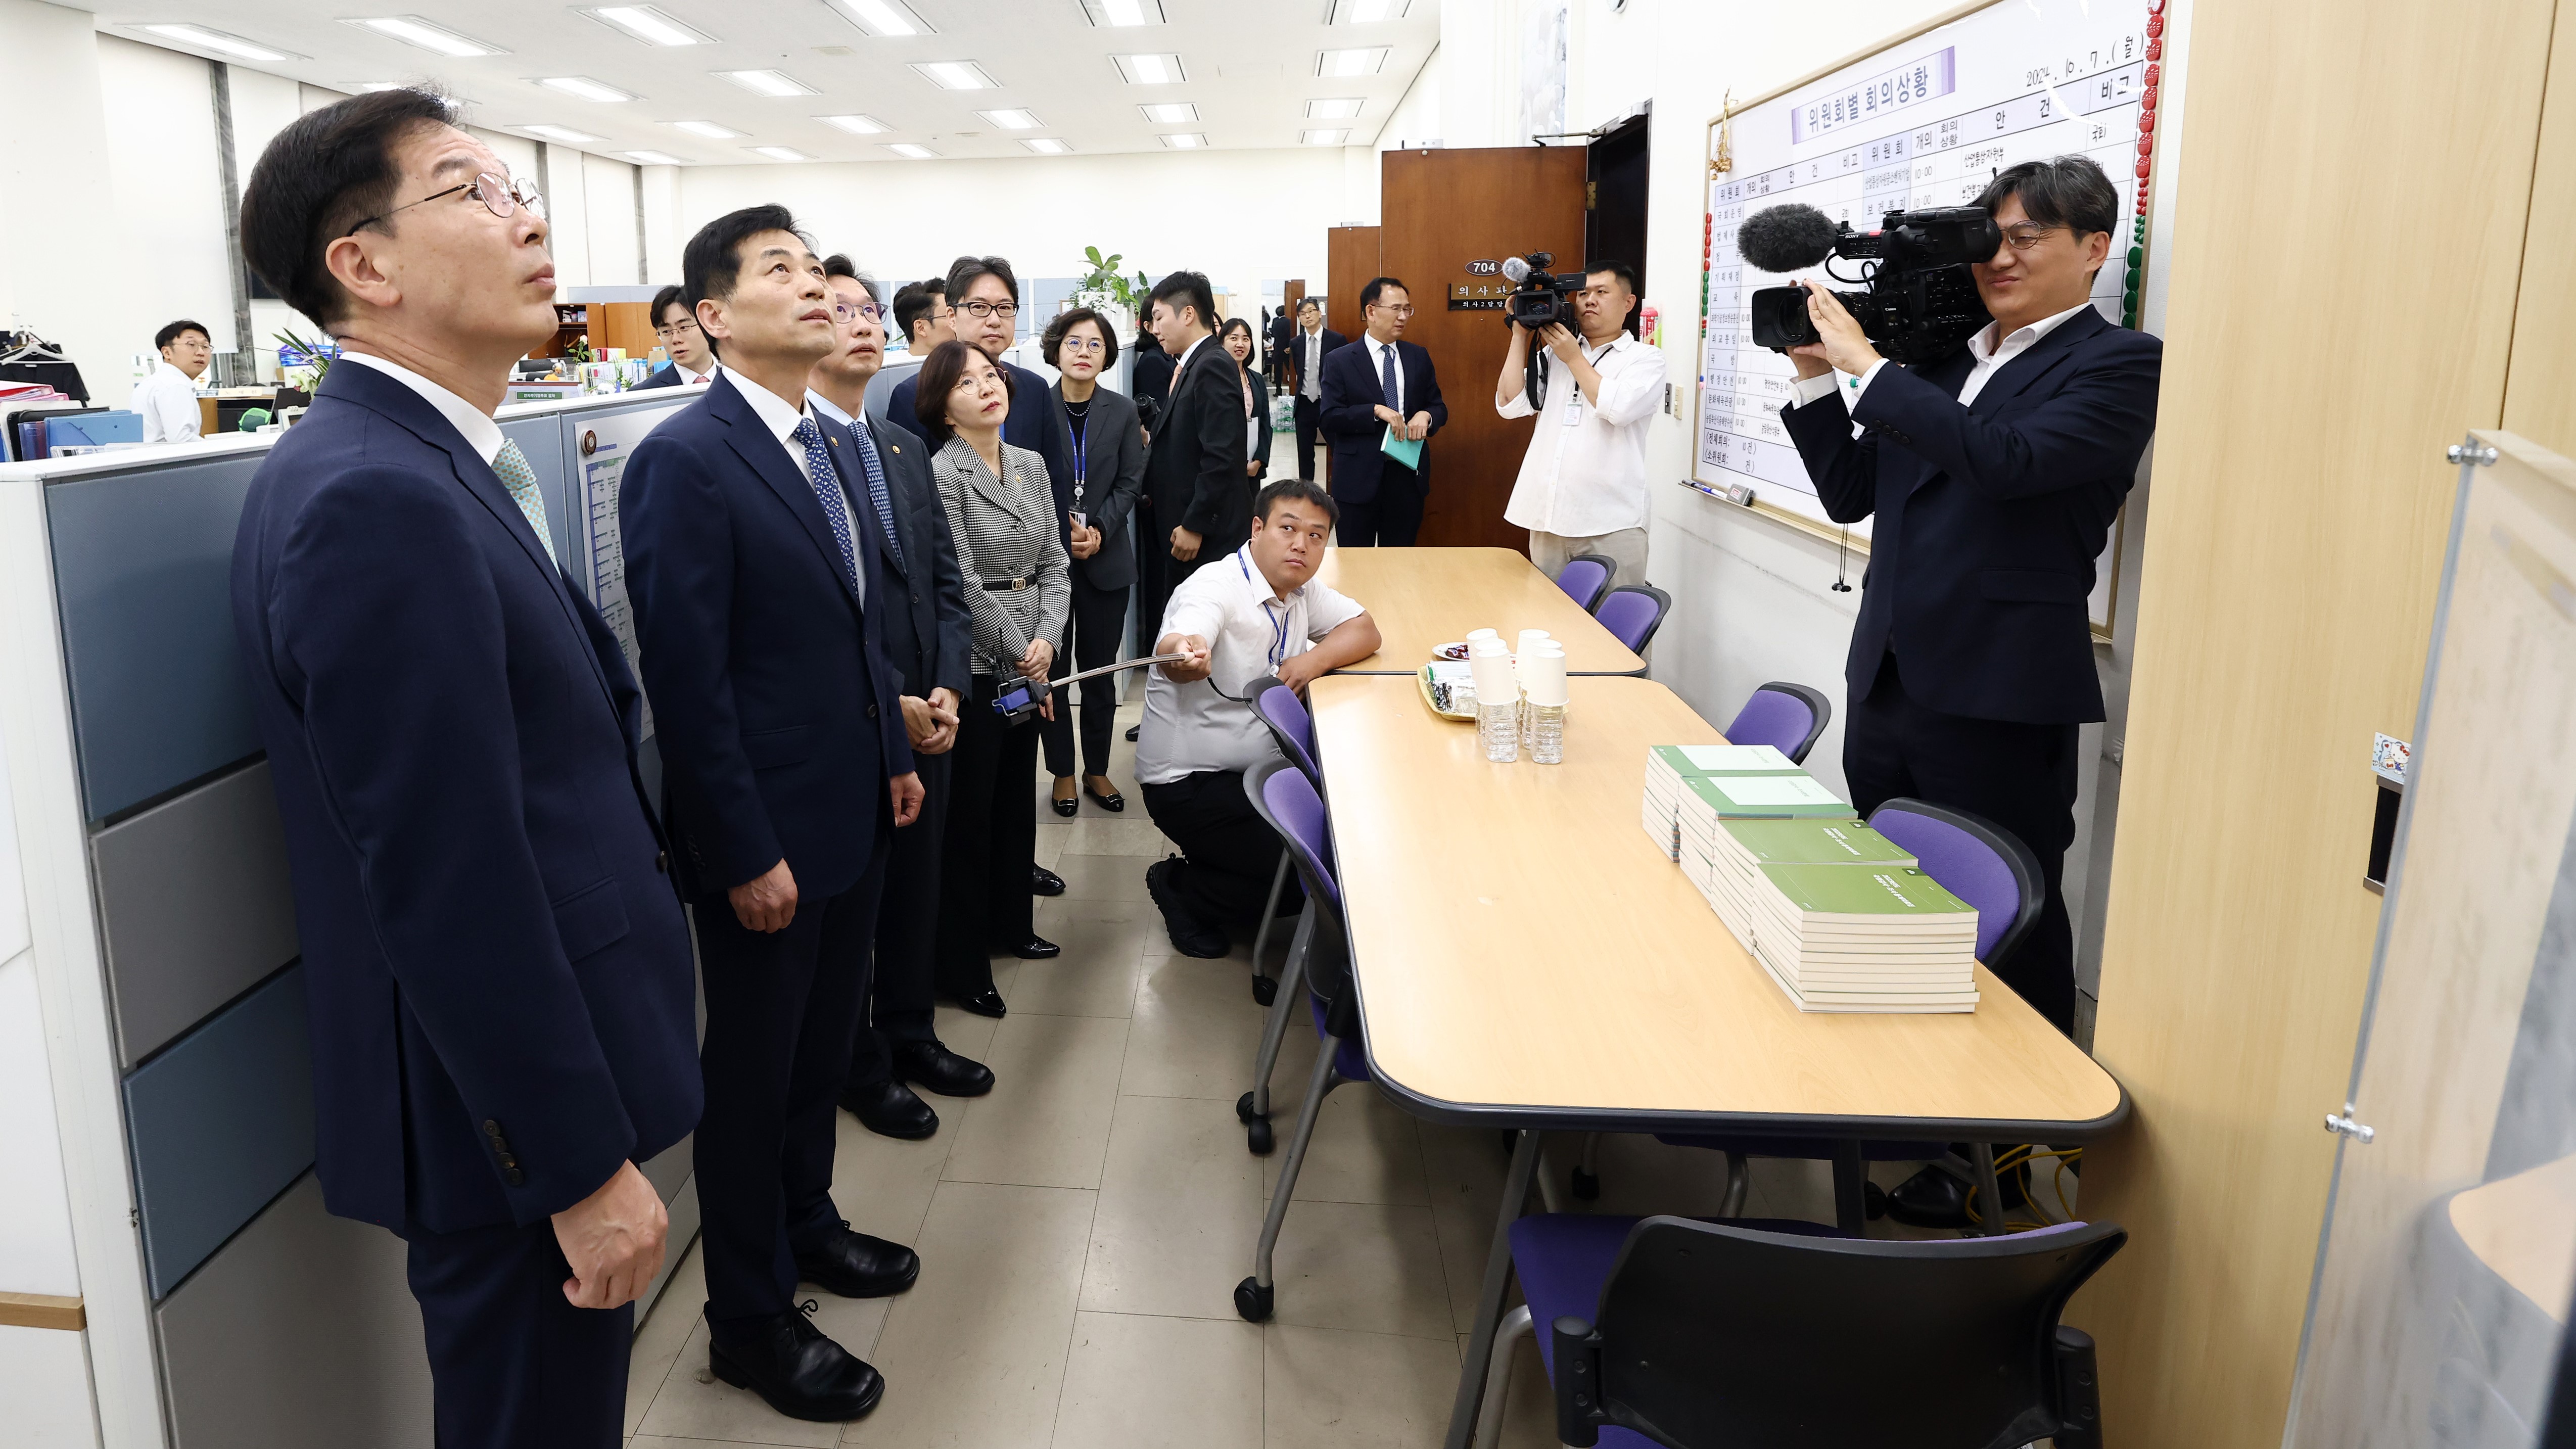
1923	122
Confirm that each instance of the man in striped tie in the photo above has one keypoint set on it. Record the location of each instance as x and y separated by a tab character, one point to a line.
759	589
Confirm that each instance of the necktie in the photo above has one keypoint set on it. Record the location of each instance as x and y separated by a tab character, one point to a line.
511	467
877	494
825	480
1386	375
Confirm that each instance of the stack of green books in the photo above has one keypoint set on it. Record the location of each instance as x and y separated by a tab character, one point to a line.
1667	766
1876	937
1742	847
1708	801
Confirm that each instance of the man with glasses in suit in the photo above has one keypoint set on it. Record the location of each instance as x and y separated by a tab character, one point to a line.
692	352
1381	384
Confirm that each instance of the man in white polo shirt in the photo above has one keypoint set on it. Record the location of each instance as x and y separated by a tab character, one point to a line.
1582	487
1249	616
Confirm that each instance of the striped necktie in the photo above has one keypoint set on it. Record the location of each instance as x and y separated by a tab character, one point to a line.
511	467
874	467
826	482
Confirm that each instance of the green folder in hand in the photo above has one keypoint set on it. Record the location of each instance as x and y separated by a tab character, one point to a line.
1402	449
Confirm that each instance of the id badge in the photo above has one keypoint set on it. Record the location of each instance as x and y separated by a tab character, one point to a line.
1573	415
1080	518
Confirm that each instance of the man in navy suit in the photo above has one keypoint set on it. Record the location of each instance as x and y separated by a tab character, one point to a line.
1303	372
1197	505
693	360
1384	382
498	969
927	644
759	606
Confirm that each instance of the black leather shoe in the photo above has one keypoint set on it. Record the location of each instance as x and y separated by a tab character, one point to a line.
934	1066
1112	802
1131	733
986	1002
1935	1198
1044	882
799	1372
1036	948
890	1109
1190	935
855	1265
1065	805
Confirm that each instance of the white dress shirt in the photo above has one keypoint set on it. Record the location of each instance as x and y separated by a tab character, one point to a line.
1989	355
1205	725
168	401
781	417
1310	374
1585	472
472	423
1379	352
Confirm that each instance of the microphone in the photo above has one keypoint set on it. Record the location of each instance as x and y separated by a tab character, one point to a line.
1515	270
1786	238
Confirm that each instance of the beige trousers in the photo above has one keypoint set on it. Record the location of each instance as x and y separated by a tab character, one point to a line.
1625	548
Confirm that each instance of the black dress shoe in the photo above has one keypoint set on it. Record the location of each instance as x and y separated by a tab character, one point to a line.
986	1002
1112	802
798	1371
855	1265
1937	1198
1190	935
1065	805
1131	733
890	1109
934	1066
1044	882
1036	948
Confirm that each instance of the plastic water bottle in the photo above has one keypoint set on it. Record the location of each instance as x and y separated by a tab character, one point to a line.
1498	727
1547	734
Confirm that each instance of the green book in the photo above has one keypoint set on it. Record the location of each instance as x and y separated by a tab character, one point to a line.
1882	894
1795	796
1723	760
1402	449
1812	842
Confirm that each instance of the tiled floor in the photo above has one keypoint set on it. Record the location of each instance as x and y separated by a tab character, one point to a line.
1083	1227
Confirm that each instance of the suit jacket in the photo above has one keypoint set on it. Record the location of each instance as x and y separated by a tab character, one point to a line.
667	375
1002	534
499	975
778	716
1352	393
925	641
1259	436
1988	517
1295	376
1152	380
1114	478
1194	474
1035	423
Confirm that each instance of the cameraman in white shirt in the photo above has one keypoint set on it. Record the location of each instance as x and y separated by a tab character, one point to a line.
1582	487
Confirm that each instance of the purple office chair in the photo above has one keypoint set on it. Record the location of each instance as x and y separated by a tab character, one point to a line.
1787	717
1278	707
1633	612
1289	803
1585	576
1712	1335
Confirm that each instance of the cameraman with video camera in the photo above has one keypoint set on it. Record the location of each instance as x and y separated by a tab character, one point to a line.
1582	486
1993	474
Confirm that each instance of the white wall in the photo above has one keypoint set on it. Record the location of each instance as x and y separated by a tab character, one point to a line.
165	176
53	271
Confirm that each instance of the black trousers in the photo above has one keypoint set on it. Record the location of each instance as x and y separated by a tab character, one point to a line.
1389	520
898	1006
1156	572
1099	616
511	1364
781	1007
2020	776
992	842
1310	415
1229	853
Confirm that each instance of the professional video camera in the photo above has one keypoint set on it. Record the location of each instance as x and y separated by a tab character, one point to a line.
1541	297
1919	302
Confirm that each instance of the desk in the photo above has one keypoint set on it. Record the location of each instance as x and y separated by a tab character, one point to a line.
1423	598
2517	1226
1526	958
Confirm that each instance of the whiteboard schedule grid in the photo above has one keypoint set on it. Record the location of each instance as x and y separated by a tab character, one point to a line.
1925	122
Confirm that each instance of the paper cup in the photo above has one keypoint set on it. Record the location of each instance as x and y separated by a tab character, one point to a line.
1542	676
1529	638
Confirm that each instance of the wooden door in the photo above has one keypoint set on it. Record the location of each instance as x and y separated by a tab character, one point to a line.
1443	210
1350	259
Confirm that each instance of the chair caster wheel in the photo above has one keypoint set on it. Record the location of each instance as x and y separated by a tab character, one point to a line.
1252	1300
1243	1110
1256	1136
1587	1185
1265	989
1873	1201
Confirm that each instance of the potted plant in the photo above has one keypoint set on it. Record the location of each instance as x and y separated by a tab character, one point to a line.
1110	294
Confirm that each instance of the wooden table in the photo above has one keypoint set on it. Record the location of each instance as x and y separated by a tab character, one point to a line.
1423	598
2517	1226
1525	957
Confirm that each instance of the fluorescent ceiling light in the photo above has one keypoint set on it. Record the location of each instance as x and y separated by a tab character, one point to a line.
1150	70
412	30
708	129
1367	61
857	125
1046	146
955	75
1012	120
655	158
584	87
216	41
1335	110
1124	12
883	17
779	153
911	152
1171	113
1324	138
564	134
1185	140
649	25
769	82
1365	12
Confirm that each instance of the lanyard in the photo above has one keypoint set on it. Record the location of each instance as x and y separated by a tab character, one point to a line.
1081	453
1278	621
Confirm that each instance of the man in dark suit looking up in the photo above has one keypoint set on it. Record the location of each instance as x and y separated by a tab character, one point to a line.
926	645
1306	352
693	358
502	1004
1383	382
759	606
1198	498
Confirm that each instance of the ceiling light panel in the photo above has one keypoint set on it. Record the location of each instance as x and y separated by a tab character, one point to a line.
1333	110
955	75
564	134
1171	113
437	39
649	25
1046	145
890	18
1122	13
1151	70
1013	120
586	88
708	129
220	42
1324	137
1367	12
655	158
1186	140
1366	61
779	153
911	152
857	125
769	82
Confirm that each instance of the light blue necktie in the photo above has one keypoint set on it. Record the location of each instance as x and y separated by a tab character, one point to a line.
1386	375
511	467
874	467
826	483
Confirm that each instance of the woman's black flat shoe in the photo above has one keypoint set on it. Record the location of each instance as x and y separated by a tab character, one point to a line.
1065	805
1112	802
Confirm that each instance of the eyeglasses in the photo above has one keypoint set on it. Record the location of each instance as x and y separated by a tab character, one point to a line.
500	196
1078	344
976	381
982	310
1400	309
672	332
2022	236
845	314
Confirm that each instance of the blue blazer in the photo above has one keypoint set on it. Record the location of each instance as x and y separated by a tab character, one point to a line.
1350	394
1036	422
667	375
777	715
1988	517
503	1000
